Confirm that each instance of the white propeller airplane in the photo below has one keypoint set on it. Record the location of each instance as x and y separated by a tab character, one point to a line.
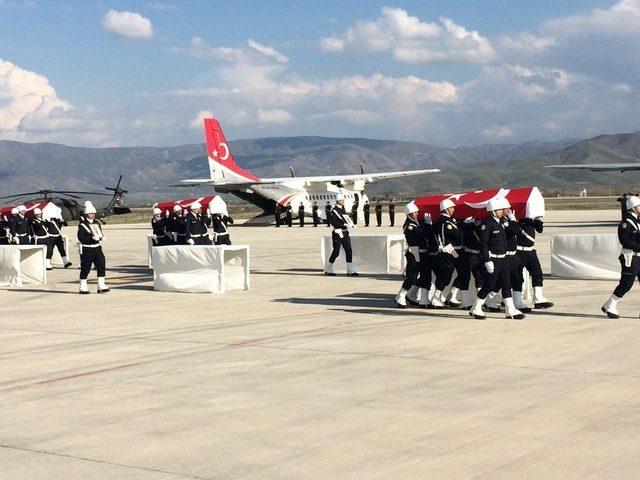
227	177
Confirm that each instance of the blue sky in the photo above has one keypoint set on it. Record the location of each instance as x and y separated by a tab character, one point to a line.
443	72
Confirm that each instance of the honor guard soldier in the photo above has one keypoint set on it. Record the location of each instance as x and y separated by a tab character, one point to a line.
392	213
178	226
314	213
220	223
54	228
427	266
196	226
5	231
449	260
378	210
20	229
90	237
39	233
416	241
160	226
629	237
278	214
327	213
529	260
301	214
289	215
366	210
354	213
341	222
493	251
471	264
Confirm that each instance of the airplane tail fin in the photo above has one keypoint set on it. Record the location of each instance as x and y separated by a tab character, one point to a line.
222	166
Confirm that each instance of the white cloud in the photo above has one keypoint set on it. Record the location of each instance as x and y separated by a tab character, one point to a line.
274	116
621	88
410	40
197	122
253	54
497	132
127	24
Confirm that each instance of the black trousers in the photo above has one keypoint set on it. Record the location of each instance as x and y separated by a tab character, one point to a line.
327	213
181	239
301	218
530	261
23	240
515	274
92	256
501	273
202	240
345	241
366	219
163	241
428	267
447	264
223	239
392	219
289	220
412	271
470	264
627	276
56	241
278	220
316	219
379	218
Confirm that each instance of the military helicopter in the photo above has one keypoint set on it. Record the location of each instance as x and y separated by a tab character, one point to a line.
67	201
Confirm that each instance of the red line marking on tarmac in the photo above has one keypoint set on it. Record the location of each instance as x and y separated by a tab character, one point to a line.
246	342
84	374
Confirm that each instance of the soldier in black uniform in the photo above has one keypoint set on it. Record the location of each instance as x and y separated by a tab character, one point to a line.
392	213
314	213
327	213
416	242
277	213
379	213
470	263
629	237
220	222
196	226
529	259
90	235
54	228
301	214
20	228
178	226
289	215
428	264
493	251
39	233
5	231
449	260
160	226
366	210
354	213
341	222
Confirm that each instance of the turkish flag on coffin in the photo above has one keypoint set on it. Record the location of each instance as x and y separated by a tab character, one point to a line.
214	203
49	210
526	202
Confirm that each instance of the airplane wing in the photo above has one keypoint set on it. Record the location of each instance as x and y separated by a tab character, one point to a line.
367	177
599	167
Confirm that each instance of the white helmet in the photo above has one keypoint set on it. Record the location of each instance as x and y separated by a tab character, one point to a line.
22	208
410	208
195	205
632	202
14	211
89	208
157	211
340	197
177	208
37	211
494	204
504	203
446	203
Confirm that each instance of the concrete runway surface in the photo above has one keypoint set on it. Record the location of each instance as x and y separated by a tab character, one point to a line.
311	377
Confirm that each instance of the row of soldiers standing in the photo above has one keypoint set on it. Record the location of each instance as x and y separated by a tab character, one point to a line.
287	210
19	230
192	228
495	251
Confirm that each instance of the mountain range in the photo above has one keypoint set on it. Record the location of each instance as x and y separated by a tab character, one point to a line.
148	170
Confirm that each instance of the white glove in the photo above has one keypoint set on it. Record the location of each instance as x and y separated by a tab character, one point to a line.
489	266
154	237
210	237
191	242
511	216
427	218
15	240
96	239
469	220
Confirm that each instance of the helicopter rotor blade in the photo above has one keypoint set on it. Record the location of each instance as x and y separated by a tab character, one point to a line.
20	195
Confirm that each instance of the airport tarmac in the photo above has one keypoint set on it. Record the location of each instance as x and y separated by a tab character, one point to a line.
306	376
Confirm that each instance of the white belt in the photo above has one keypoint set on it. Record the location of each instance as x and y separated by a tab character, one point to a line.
526	249
41	236
492	255
95	245
511	253
470	250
